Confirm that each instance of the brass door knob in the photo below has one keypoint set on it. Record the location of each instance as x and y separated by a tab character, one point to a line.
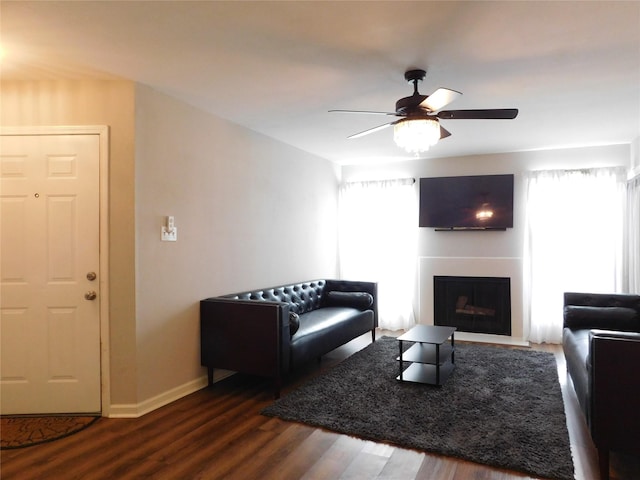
90	295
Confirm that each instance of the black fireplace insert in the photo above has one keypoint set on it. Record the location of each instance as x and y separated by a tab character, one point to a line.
473	304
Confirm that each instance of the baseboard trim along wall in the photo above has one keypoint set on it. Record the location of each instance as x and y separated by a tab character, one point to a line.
135	410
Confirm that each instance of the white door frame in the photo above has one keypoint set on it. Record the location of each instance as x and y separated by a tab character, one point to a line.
103	132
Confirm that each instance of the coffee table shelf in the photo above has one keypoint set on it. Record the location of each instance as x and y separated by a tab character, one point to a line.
426	353
431	359
423	373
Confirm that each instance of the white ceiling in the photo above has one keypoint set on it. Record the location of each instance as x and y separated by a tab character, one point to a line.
572	68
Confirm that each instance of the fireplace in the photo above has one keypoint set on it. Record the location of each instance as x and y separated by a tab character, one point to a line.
473	304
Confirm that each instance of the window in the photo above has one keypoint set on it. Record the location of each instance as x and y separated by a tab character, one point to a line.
378	242
573	242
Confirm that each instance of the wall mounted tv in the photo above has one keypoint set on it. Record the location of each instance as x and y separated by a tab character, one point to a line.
479	202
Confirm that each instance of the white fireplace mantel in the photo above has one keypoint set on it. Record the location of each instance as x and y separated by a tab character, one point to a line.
509	267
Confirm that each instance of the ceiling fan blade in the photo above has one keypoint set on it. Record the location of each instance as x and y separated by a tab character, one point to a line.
439	98
496	113
444	133
371	130
363	111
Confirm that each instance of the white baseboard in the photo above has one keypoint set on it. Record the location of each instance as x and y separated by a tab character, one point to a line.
135	410
486	338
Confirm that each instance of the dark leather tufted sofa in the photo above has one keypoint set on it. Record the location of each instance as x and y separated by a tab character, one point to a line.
601	343
268	332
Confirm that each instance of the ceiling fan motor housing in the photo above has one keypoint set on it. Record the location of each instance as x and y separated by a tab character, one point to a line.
411	105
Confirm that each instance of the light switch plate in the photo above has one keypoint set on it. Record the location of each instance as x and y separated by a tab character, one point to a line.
167	235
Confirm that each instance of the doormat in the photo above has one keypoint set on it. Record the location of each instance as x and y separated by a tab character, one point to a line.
20	431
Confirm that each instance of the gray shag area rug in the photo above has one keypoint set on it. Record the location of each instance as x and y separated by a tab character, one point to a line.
500	407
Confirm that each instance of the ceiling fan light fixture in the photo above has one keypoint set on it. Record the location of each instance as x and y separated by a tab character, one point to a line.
416	135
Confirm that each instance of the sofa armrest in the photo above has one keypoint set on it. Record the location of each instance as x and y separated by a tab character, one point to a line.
356	286
245	336
615	390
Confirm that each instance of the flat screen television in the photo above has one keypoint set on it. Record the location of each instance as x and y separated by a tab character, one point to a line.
479	202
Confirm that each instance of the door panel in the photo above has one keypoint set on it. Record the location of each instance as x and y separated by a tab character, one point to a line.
49	234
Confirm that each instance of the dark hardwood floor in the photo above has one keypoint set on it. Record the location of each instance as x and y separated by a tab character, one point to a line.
219	433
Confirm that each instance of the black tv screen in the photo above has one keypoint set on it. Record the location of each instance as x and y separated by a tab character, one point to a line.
479	202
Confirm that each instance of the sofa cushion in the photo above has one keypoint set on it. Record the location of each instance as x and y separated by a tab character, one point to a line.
606	318
359	300
326	328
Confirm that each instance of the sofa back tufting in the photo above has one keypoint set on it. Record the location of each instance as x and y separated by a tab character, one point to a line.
301	297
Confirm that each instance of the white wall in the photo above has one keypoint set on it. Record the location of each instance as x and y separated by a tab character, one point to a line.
492	251
251	212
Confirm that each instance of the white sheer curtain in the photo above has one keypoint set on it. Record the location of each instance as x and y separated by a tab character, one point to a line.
378	242
573	241
632	237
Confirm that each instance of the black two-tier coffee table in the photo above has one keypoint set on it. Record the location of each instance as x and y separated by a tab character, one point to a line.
432	358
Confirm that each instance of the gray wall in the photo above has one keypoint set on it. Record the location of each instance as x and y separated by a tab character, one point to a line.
250	211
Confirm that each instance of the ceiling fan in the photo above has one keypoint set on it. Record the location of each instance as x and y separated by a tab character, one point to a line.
418	127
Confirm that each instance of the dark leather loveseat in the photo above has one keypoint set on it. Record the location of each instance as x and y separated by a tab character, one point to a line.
601	344
268	332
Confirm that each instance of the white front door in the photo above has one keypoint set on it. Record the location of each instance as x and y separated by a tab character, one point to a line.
49	274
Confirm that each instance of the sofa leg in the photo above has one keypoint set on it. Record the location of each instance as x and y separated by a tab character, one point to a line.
209	376
373	335
603	461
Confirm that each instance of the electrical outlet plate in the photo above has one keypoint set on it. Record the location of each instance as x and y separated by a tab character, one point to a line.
167	235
